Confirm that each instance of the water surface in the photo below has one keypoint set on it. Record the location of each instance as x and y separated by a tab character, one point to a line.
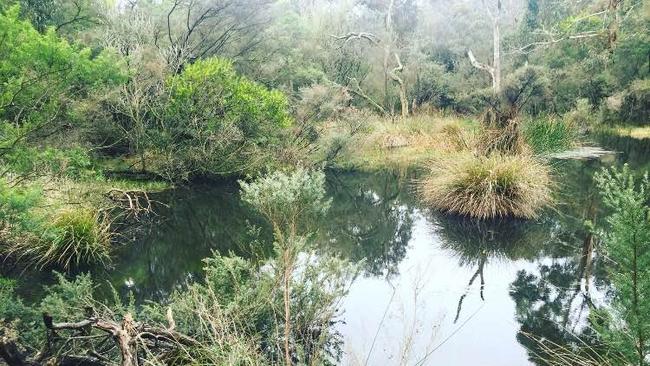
434	289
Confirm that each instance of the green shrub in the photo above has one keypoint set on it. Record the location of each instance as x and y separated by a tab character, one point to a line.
15	209
636	103
625	327
487	187
547	135
217	122
581	116
287	200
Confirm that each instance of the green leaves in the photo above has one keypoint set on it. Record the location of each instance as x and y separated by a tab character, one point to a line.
288	200
627	243
42	79
211	91
217	122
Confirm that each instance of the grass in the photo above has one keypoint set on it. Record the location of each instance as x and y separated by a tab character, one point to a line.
487	186
549	135
75	237
406	143
639	133
70	226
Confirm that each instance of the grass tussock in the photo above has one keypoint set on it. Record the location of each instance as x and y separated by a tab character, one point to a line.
549	135
487	186
74	238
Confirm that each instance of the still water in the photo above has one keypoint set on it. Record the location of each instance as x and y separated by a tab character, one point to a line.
434	289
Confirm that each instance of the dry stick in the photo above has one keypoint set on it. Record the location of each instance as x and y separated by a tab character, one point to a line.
381	324
423	359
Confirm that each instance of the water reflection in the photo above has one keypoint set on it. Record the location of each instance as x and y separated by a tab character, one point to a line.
195	223
476	243
371	218
500	280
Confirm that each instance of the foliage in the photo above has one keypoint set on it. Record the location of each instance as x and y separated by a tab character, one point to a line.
232	314
625	328
636	101
547	134
487	186
44	79
66	299
217	122
288	200
15	210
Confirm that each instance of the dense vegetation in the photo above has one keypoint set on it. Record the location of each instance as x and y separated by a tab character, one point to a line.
103	103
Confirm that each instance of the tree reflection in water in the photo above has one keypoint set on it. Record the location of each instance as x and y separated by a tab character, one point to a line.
476	243
371	218
553	300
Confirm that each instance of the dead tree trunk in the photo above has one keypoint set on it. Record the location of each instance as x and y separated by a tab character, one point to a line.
495	69
403	98
404	103
127	336
389	47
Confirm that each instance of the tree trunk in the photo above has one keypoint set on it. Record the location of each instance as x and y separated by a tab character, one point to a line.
495	69
386	76
496	63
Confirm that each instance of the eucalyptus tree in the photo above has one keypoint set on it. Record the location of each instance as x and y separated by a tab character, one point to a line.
392	40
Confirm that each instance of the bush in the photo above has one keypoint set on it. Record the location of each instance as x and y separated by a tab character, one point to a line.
74	238
546	135
625	327
288	200
15	209
487	186
581	116
636	103
218	123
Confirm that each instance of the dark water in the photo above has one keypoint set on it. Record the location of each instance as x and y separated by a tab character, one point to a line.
435	289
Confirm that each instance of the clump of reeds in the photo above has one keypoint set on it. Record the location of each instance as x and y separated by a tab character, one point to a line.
546	135
73	238
485	187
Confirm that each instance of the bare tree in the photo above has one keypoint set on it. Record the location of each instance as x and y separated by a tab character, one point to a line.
495	69
130	32
392	63
195	29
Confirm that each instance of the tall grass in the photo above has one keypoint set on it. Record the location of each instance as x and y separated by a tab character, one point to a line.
408	142
487	186
73	238
547	135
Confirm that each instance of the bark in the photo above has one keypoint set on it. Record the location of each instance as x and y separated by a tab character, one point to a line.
496	40
612	27
403	98
495	69
390	51
10	352
287	316
358	91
